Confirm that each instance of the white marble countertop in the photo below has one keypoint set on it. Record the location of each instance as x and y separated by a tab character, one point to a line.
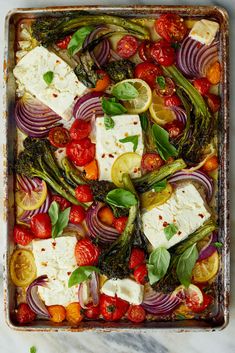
153	341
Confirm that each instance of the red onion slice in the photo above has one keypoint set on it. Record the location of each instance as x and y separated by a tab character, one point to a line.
27	215
80	296
180	114
101	52
159	303
94	288
88	106
209	248
32	297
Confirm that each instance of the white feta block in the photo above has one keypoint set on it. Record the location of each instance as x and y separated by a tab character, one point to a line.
185	208
204	31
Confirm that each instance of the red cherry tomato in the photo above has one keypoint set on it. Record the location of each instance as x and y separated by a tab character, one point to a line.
163	53
202	85
80	129
22	235
173	101
83	193
103	81
141	274
211	164
86	253
144	51
120	223
174	128
77	214
171	27
168	90
41	225
59	136
24	314
213	102
148	72
136	313
137	258
112	308
151	161
63	203
195	306
81	152
92	312
63	43
127	46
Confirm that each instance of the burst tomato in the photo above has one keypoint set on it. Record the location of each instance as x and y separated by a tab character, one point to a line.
163	53
92	312
106	216
144	51
174	128
41	225
166	89
63	43
103	81
22	235
198	308
211	164
24	314
148	72
57	313
63	203
120	223
151	161
86	253
127	46
202	85
77	214
74	313
137	258
80	129
59	137
171	27
173	101
83	193
213	102
81	152
136	313
141	274
112	308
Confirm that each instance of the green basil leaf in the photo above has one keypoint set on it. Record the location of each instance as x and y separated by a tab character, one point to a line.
111	107
54	212
161	81
125	91
108	123
144	121
164	147
175	45
185	265
81	274
133	139
33	349
170	230
62	222
121	198
158	264
217	244
77	39
48	77
159	186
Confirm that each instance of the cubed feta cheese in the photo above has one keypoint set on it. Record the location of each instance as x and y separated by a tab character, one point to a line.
108	146
55	258
185	208
60	94
126	289
204	31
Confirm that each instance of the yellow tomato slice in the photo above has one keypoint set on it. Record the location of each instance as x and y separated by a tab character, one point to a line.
22	267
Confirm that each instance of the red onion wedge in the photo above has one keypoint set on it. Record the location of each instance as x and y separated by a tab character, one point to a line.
180	114
81	295
159	303
32	297
92	286
197	176
194	58
98	230
209	248
33	117
101	52
88	106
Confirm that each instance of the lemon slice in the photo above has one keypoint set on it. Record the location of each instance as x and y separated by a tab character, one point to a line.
159	113
22	268
151	199
206	269
142	102
192	292
31	200
126	163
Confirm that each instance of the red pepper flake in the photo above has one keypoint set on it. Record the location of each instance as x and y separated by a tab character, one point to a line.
160	217
68	273
55	95
58	61
111	155
135	123
103	155
43	249
75	97
201	215
135	170
165	224
179	232
54	243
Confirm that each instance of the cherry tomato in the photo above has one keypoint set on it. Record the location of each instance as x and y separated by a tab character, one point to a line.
59	136
141	274
211	164
137	258
63	203
151	161
92	312
174	128
198	308
22	235
81	152
106	216
136	313
63	43
173	101
202	85
213	102
74	313
80	129
214	73
41	225
120	223
127	46
148	72
163	53
144	51
77	214
171	27
86	253
112	308
91	170
24	314
168	90
57	313
83	193
103	81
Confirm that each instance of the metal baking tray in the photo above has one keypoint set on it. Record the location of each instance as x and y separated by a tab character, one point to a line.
219	319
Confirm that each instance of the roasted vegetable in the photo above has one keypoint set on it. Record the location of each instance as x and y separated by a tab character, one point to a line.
72	173
120	70
86	70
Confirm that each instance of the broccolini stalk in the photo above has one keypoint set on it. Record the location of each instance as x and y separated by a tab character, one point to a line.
72	173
